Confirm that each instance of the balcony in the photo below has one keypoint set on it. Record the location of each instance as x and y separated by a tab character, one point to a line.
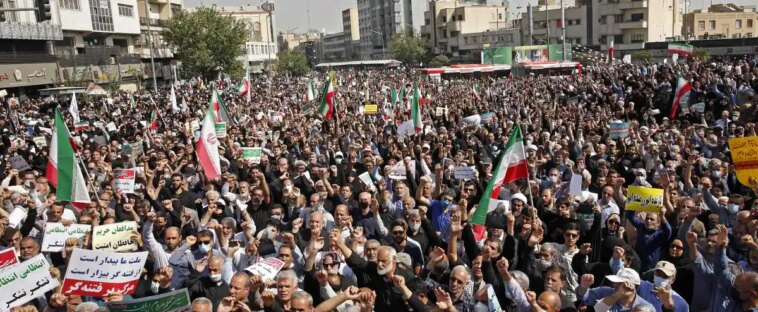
157	52
454	26
30	31
610	9
154	22
25	57
158	1
609	29
632	25
632	4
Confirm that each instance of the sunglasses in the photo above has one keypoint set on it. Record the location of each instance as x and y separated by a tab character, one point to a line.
205	242
675	247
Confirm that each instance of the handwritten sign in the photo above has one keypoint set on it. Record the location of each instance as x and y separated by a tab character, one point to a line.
266	269
56	235
644	199
175	301
24	282
124	180
114	237
98	273
220	130
19	163
618	130
252	153
370	109
745	157
8	258
464	173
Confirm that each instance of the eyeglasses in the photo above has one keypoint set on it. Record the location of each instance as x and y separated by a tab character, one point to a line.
676	247
205	242
329	265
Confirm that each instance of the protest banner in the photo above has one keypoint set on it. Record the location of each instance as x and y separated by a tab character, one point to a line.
745	157
19	163
8	258
618	130
123	180
97	273
486	118
252	153
397	172
575	186
194	128
40	141
370	109
114	237
366	179
473	120
464	173
641	198
266	269
699	107
56	234
405	130
175	301
22	283
221	130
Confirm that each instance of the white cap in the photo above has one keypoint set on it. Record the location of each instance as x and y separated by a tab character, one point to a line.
625	275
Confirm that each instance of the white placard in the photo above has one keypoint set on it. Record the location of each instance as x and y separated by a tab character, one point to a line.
405	130
56	235
366	179
464	173
124	180
24	282
114	237
97	273
266	269
575	186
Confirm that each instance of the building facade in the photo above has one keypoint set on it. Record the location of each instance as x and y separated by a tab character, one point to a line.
547	25
721	21
631	23
261	47
153	17
380	19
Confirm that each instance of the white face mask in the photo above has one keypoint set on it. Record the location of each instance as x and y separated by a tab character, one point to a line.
359	249
481	307
215	277
155	287
415	226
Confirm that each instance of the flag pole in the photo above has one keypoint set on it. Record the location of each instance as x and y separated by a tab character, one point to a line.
528	174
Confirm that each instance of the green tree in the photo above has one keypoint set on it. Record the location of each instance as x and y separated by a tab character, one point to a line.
439	61
292	62
406	48
642	56
207	42
700	53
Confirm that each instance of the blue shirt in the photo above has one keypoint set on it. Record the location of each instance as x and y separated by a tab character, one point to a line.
440	217
596	294
649	244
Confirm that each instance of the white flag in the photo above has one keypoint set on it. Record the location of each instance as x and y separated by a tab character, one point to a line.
174	107
73	108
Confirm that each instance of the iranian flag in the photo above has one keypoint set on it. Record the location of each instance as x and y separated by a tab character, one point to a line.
154	120
310	94
681	48
220	112
81	125
475	91
511	167
207	146
393	97
682	95
63	170
243	88
73	108
610	52
416	109
326	109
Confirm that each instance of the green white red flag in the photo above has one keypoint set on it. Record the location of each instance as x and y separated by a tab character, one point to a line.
220	112
682	95
511	167
63	169
310	94
326	108
416	109
207	145
154	116
475	92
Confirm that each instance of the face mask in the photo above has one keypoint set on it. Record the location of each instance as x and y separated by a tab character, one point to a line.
445	202
276	218
660	281
415	226
640	179
204	248
338	160
716	174
481	307
215	277
155	287
359	249
553	179
543	264
28	184
733	208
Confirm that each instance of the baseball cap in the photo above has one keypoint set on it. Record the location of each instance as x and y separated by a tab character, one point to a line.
625	275
667	268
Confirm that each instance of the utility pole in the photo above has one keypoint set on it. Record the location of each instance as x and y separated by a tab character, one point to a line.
150	45
547	21
531	23
563	30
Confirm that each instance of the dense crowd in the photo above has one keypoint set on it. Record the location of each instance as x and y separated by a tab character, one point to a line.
404	239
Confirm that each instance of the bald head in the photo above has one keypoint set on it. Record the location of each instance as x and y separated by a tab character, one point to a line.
549	301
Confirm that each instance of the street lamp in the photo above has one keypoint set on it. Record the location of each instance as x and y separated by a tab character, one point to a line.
384	50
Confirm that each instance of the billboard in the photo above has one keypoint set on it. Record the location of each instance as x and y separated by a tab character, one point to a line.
533	53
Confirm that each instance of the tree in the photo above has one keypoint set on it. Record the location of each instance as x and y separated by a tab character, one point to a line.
292	62
408	49
700	53
207	42
642	56
439	61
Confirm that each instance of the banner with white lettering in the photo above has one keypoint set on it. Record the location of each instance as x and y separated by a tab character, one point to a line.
8	258
56	235
114	237
99	273
175	301
25	282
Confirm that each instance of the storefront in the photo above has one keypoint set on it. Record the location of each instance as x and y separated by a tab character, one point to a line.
21	80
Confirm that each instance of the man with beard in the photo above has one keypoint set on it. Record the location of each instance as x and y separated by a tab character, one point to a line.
179	191
379	275
368	217
402	243
743	295
185	258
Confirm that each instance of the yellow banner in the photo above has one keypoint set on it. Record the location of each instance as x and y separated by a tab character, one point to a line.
370	109
745	158
640	198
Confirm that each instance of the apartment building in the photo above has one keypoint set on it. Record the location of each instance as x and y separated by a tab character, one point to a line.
721	21
547	25
378	20
153	16
631	23
261	47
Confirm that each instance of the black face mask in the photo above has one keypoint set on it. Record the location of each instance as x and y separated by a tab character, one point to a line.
364	205
735	295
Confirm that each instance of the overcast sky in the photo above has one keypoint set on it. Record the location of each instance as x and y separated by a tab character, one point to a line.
326	14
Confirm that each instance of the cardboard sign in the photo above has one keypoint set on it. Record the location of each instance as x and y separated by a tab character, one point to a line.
24	282
253	154
97	273
644	199
618	130
745	158
8	258
405	130
221	130
266	269
175	301
124	180
114	237
370	109
464	173
19	163
56	235
40	141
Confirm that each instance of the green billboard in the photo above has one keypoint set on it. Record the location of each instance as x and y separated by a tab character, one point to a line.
533	53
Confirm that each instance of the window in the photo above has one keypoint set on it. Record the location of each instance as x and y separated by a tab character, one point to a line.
738	24
604	19
100	12
618	39
460	17
70	4
749	24
578	22
452	18
444	18
500	16
125	10
175	9
711	25
701	25
637	38
636	17
618	18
